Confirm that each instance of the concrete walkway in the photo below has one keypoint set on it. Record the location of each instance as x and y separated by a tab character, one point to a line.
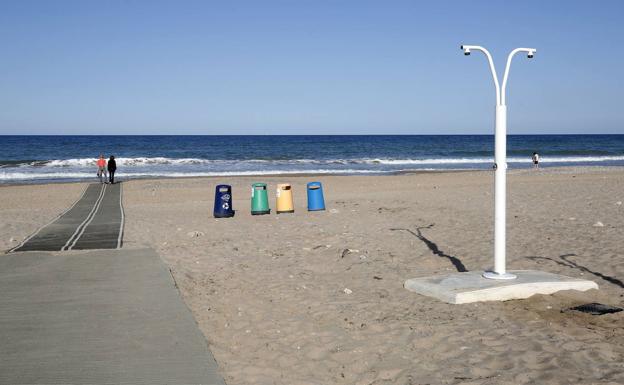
100	317
95	221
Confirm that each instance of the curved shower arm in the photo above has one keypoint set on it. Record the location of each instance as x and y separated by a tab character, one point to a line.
529	51
468	48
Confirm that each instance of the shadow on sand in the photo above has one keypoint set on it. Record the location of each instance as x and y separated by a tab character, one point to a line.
573	265
434	248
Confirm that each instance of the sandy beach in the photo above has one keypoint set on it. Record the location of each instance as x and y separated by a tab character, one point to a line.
318	297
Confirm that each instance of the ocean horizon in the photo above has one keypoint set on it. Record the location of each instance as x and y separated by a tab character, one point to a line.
62	158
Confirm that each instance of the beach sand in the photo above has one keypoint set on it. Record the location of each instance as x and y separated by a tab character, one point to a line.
318	297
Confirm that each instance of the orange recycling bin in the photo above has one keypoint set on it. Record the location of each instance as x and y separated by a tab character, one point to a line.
284	199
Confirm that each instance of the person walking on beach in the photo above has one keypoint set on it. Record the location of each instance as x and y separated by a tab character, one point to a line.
112	166
101	165
536	159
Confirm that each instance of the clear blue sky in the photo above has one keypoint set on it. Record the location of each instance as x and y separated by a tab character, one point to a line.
307	67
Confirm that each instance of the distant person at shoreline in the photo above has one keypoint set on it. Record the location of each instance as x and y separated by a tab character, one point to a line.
112	167
536	159
101	165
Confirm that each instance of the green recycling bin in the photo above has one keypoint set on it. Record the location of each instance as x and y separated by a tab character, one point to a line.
259	199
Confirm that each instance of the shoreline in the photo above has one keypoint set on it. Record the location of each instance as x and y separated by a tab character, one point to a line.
553	170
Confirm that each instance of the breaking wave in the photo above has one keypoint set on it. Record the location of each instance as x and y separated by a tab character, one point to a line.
162	161
15	176
162	167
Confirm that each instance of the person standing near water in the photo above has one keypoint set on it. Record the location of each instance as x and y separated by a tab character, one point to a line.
536	159
101	165
112	166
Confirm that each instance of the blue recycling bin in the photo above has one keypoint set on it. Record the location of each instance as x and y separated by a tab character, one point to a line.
223	202
316	202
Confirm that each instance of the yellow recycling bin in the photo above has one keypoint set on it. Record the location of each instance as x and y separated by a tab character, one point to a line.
284	196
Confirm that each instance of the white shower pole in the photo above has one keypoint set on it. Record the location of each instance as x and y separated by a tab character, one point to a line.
500	162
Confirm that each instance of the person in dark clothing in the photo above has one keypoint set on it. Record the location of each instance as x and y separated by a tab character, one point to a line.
112	166
535	158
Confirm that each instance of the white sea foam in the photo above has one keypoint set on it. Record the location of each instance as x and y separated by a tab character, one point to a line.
162	161
139	161
8	176
146	167
543	159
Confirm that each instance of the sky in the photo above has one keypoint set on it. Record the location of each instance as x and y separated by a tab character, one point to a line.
307	67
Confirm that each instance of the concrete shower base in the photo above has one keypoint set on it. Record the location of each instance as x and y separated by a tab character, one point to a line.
470	287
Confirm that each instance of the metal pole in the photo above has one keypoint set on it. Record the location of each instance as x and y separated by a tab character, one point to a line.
500	197
500	191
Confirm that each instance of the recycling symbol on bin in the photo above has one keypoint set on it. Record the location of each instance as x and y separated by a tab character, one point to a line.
225	197
226	206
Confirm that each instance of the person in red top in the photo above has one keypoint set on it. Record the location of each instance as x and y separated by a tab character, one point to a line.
101	165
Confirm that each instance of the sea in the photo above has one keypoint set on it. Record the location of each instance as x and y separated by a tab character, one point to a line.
39	159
